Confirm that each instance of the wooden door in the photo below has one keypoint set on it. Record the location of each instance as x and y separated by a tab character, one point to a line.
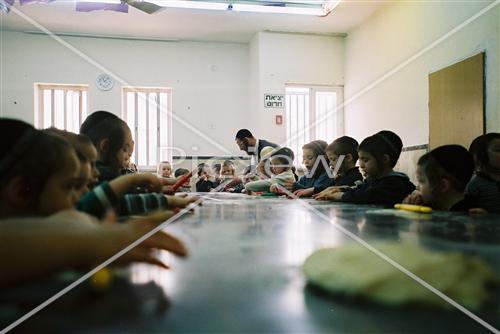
456	103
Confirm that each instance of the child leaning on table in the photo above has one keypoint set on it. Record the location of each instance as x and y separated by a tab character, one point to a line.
281	162
378	154
442	175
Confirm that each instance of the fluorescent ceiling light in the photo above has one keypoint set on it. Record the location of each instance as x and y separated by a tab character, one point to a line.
278	9
116	2
190	4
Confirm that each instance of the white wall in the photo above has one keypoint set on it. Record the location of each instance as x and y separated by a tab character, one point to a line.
209	80
298	59
395	33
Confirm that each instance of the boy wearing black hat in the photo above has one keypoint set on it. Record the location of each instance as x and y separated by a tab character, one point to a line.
442	175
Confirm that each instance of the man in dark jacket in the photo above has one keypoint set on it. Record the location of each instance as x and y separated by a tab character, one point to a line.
248	143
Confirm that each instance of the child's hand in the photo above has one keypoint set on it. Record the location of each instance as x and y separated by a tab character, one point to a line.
149	181
123	183
414	198
327	192
331	196
304	192
276	188
181	201
168	190
477	211
124	234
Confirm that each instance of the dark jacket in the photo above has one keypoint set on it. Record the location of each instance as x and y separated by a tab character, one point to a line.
204	186
312	182
465	205
386	190
350	178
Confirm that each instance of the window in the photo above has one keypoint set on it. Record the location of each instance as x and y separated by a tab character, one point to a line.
147	111
311	114
61	106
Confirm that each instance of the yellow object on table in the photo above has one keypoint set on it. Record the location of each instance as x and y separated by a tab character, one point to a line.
414	208
102	279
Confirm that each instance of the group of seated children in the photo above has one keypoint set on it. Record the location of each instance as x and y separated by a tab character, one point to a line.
46	175
449	177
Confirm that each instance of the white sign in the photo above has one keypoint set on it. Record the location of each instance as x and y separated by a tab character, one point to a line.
274	100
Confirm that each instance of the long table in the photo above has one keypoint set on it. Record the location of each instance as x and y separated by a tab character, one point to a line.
244	274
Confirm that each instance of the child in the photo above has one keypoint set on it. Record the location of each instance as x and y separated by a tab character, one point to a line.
186	187
348	174
316	175
228	180
165	169
484	187
378	154
113	140
39	172
82	146
206	181
114	147
280	164
442	175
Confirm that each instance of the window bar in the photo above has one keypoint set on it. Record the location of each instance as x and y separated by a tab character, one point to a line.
41	110
312	114
136	130
52	106
80	108
147	128
158	129
65	106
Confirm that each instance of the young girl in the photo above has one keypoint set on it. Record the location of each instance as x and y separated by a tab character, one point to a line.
442	175
39	171
378	154
484	187
282	176
165	169
316	175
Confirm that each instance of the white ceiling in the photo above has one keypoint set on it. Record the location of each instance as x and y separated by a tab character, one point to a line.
184	24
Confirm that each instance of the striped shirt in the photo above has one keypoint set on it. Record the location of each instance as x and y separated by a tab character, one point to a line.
102	198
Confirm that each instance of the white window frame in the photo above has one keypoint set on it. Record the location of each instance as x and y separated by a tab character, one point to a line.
39	114
312	90
161	133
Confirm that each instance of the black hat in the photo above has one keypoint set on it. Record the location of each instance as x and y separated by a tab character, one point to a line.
455	160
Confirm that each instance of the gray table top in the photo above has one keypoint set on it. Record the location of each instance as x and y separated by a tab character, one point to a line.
244	273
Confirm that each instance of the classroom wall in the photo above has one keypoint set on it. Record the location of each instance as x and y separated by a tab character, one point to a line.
395	33
291	58
210	81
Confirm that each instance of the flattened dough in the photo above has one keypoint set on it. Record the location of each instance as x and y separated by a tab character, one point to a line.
353	270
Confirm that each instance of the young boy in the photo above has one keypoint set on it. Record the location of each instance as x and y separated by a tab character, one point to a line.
442	175
485	184
348	173
378	154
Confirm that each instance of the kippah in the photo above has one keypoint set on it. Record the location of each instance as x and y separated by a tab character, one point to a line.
455	160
